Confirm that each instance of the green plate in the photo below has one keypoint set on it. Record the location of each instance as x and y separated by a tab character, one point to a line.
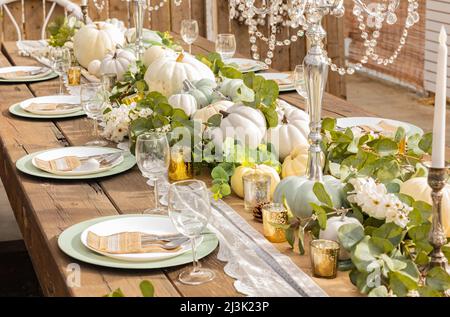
70	243
26	166
17	110
30	80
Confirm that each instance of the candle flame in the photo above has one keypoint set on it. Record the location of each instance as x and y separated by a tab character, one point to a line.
443	36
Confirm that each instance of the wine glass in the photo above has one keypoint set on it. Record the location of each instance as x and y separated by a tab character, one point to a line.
93	104
189	32
190	211
153	157
226	46
299	81
60	61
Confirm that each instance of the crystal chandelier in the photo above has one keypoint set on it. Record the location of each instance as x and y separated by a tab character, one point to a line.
306	16
371	17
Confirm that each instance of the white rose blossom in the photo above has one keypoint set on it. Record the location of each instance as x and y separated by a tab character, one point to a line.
375	201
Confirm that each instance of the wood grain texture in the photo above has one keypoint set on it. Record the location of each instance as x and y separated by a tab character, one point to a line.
44	208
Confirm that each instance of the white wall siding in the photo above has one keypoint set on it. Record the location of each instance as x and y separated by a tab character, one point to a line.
437	14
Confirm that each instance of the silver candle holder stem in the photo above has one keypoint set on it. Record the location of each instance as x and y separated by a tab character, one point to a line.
437	178
85	12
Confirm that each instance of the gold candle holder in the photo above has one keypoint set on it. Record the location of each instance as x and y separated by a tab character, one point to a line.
180	167
274	215
324	258
74	76
256	193
132	98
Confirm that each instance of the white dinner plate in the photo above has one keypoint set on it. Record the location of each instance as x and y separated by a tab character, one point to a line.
79	151
151	225
61	99
47	75
349	122
246	65
280	76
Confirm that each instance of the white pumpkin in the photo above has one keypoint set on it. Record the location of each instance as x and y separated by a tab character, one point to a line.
167	74
185	102
331	232
244	124
94	67
293	131
418	189
237	179
207	112
117	63
94	41
155	52
231	88
117	23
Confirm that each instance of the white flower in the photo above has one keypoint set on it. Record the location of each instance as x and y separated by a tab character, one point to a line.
375	201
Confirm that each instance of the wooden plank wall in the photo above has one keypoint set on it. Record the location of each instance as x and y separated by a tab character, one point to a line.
408	68
169	17
438	14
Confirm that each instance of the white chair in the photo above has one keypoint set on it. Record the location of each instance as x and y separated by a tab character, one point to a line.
69	8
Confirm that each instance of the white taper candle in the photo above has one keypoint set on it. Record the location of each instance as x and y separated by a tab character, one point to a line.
438	157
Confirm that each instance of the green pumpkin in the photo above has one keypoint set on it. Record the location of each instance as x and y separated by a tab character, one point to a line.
299	193
202	90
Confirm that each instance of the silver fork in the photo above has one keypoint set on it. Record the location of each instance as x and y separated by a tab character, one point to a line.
39	71
173	244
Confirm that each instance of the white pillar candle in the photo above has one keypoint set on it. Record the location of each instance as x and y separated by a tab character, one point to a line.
84	2
438	157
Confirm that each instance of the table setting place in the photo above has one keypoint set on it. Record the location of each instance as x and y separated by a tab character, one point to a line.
291	203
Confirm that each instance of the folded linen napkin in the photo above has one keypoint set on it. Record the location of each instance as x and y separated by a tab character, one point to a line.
38	107
382	127
127	242
68	164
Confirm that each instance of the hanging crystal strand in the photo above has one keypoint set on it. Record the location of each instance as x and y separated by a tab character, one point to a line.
149	14
139	25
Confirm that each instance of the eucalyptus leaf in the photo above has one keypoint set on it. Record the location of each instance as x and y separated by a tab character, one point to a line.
438	279
147	289
389	231
380	291
322	195
350	235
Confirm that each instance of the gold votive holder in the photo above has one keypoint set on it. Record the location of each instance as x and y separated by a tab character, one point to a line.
256	193
324	258
180	166
109	81
274	215
132	98
74	76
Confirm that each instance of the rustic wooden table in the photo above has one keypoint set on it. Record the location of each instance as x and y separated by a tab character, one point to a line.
44	208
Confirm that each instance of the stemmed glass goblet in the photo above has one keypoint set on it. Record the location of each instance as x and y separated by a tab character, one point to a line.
226	46
60	61
189	32
153	158
93	104
190	211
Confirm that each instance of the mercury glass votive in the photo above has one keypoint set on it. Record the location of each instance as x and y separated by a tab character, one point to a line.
74	76
108	81
324	258
256	193
274	215
180	167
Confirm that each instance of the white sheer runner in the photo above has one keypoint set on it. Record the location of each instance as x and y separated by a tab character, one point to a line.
257	266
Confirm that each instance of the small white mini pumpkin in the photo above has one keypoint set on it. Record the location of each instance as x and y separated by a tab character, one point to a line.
237	178
185	102
207	112
94	67
155	52
117	63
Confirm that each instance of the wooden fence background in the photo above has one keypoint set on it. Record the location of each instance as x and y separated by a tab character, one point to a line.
169	18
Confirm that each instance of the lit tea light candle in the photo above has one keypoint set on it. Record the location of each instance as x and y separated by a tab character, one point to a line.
274	215
180	167
324	258
74	76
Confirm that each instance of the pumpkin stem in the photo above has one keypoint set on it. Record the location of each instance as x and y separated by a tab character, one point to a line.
285	120
180	57
224	113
